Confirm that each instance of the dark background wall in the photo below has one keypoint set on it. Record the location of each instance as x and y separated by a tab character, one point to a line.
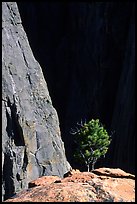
86	51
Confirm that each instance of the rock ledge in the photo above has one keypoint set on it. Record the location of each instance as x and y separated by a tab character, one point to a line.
101	185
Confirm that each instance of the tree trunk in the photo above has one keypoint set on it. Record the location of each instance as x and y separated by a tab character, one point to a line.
93	164
88	167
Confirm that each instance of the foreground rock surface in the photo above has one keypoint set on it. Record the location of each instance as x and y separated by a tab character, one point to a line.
31	139
108	185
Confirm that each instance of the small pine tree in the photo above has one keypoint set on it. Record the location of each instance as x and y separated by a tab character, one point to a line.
92	142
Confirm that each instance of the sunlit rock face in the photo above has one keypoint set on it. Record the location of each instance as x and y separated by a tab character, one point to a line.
31	138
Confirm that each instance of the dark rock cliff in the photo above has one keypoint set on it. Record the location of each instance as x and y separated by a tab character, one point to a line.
31	139
87	54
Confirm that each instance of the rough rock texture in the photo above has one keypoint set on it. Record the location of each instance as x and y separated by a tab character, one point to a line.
108	185
90	67
31	139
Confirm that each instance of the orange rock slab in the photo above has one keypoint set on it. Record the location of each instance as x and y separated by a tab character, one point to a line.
101	185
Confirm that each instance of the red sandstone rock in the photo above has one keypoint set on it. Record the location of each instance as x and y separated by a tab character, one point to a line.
44	180
82	177
111	185
113	172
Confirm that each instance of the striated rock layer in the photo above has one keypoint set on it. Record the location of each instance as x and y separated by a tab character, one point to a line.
101	185
31	139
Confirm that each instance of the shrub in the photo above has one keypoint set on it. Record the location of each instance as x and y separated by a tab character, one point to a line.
92	142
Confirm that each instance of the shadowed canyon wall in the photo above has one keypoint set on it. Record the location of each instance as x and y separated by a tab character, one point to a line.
86	51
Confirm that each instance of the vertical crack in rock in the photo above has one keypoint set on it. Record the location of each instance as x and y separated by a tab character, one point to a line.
23	54
8	180
25	161
14	129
